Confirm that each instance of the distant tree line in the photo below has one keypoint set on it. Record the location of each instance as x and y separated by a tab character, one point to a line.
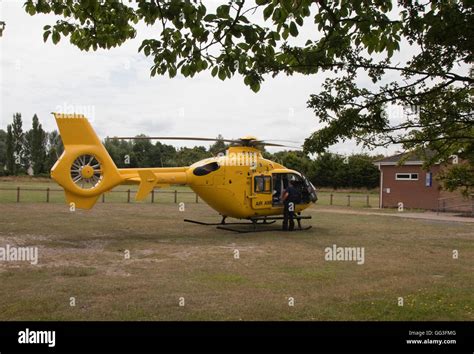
144	153
36	151
332	170
28	151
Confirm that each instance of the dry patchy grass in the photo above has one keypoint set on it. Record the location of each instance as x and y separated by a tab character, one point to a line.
81	255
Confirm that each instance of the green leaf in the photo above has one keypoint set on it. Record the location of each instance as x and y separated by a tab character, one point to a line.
30	8
223	11
255	86
56	37
390	52
243	46
153	71
172	72
222	74
46	35
210	17
277	15
293	29
214	71
268	11
185	70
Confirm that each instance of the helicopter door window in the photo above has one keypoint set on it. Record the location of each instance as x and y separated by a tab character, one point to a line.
277	188
298	183
263	184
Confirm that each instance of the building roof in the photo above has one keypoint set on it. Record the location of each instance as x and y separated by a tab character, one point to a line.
406	158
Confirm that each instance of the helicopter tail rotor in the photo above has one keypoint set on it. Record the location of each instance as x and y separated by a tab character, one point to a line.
85	169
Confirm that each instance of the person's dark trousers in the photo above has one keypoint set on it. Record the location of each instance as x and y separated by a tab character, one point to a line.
288	216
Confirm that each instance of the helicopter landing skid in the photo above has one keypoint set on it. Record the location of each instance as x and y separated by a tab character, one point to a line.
259	230
255	229
265	220
224	223
254	222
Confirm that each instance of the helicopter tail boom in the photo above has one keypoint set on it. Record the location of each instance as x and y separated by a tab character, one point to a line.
150	178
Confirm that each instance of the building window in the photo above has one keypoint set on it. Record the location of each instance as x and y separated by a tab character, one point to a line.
263	184
406	176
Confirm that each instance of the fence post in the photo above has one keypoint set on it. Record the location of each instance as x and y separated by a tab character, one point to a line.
197	200
472	204
152	195
175	196
128	196
368	204
103	198
47	195
330	199
348	200
17	194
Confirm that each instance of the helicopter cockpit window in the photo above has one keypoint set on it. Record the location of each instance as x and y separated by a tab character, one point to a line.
294	178
263	184
206	169
309	191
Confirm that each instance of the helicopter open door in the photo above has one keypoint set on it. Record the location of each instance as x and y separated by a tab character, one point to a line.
262	191
301	183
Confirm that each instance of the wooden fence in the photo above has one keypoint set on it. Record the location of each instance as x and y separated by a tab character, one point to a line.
29	194
47	192
344	199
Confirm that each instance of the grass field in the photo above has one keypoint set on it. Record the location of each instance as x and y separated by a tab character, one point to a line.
81	255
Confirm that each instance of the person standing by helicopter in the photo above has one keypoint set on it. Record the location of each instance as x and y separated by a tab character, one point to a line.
290	198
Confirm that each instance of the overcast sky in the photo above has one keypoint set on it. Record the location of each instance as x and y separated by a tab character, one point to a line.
114	89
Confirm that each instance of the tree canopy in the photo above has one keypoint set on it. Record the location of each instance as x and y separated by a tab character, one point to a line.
355	41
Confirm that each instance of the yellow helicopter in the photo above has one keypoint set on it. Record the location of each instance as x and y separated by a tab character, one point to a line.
240	183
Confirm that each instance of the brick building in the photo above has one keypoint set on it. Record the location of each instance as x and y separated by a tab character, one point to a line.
408	183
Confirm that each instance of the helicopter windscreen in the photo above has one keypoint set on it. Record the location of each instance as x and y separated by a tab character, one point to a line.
309	190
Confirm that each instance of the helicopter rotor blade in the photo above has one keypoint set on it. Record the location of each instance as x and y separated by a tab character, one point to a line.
236	142
280	141
278	145
172	138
